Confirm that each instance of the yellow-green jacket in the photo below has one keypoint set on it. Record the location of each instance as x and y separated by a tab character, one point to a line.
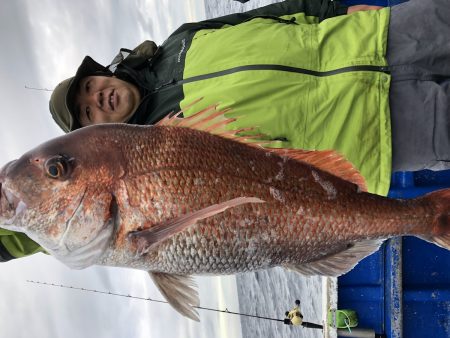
296	71
16	245
312	85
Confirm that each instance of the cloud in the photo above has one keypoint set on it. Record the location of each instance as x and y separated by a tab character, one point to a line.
24	112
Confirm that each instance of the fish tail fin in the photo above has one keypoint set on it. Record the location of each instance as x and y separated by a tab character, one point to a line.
440	227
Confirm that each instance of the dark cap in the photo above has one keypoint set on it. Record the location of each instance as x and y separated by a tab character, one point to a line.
62	100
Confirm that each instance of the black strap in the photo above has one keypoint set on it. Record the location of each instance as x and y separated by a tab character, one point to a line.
331	8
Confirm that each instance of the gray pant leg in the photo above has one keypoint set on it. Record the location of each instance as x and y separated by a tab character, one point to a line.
419	35
420	125
419	57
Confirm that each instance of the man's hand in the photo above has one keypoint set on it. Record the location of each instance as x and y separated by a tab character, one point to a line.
358	8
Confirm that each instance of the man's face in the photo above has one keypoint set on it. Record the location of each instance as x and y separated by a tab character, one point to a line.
103	99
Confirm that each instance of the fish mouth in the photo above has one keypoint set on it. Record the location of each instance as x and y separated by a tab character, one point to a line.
10	206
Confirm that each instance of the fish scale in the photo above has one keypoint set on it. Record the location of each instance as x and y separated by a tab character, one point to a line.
247	184
177	202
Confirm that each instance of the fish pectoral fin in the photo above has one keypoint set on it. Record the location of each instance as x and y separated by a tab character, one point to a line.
146	240
339	263
180	291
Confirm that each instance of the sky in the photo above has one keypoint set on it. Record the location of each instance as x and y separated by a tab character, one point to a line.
43	42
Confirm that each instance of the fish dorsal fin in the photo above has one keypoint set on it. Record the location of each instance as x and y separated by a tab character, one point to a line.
214	121
339	263
208	119
326	160
180	291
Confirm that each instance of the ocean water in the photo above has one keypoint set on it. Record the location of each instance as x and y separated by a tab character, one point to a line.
270	293
215	8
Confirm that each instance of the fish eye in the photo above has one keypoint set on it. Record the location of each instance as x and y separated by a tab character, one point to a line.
54	170
57	167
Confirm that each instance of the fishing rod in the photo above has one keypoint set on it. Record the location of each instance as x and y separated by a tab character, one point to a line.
149	299
41	89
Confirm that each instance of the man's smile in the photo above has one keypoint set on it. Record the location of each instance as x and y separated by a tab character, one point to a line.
112	100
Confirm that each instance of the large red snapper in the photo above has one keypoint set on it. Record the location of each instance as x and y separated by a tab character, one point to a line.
177	201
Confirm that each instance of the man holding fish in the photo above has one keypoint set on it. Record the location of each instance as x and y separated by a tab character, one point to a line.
299	73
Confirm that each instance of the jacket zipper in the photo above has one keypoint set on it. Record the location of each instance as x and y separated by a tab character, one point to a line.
361	68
